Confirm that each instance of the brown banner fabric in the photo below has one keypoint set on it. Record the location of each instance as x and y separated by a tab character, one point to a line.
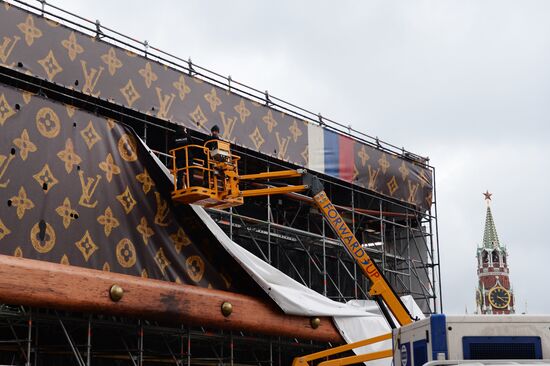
393	177
76	188
46	49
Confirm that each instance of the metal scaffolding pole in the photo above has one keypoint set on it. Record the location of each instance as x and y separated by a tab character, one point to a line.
74	348
89	342
29	339
324	261
355	282
269	219
188	346
140	343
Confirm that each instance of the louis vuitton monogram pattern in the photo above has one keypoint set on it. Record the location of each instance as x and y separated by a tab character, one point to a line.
394	177
97	68
75	190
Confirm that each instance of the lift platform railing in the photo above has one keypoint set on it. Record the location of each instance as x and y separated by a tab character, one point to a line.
206	175
185	165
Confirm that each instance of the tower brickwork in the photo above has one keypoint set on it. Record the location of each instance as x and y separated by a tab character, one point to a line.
494	294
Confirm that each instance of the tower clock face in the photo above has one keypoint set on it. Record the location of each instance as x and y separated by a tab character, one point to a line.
499	297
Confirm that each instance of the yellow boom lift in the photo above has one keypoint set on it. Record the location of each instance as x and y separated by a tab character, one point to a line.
210	178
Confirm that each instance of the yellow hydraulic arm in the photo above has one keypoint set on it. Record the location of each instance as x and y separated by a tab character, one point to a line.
380	289
350	360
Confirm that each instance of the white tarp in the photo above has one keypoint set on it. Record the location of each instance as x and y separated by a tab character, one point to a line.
354	329
356	320
291	296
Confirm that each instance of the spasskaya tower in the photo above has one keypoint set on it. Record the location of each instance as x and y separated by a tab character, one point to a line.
494	293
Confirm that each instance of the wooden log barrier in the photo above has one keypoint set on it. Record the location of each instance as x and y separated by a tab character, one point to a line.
44	284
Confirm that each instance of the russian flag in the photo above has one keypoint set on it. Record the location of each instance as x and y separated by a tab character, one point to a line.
330	153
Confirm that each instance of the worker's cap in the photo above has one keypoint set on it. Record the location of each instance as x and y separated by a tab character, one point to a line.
215	128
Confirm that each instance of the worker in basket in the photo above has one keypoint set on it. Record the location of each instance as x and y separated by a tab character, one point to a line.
215	154
212	141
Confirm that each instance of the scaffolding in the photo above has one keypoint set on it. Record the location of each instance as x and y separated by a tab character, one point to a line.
33	337
287	232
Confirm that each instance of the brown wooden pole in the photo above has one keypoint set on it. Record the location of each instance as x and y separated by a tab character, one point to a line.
43	284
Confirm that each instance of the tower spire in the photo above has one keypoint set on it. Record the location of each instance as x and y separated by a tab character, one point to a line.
494	294
490	237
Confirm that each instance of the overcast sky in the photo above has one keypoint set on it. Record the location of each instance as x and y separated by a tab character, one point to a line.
465	82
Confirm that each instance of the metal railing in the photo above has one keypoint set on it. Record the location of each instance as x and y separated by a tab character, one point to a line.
143	48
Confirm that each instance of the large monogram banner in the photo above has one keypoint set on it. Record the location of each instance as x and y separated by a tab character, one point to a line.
46	49
77	189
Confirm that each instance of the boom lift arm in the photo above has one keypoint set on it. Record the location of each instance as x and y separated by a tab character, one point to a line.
220	188
380	290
